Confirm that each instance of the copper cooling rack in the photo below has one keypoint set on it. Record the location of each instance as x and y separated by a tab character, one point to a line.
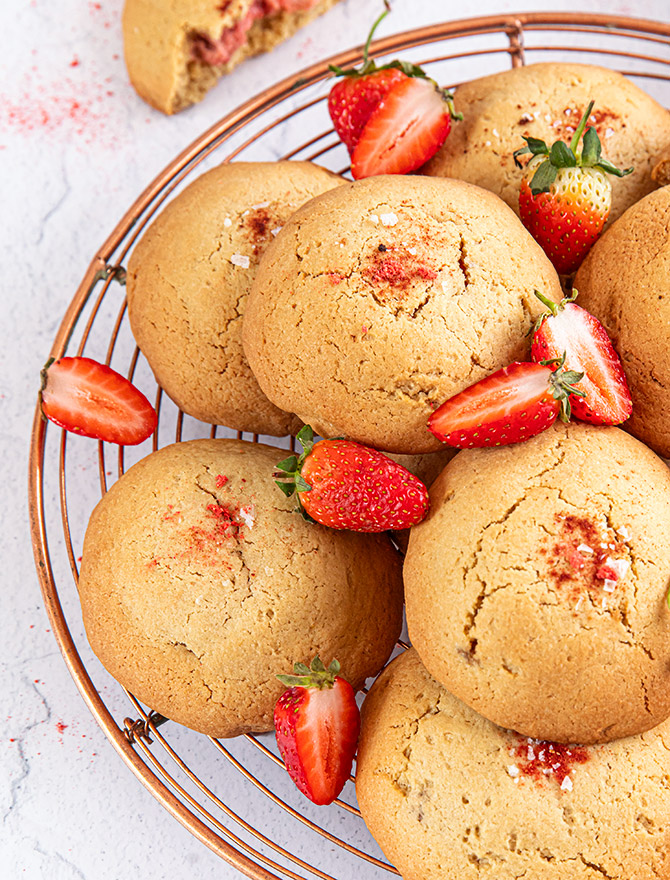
219	790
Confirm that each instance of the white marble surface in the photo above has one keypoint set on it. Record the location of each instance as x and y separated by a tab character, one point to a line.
76	147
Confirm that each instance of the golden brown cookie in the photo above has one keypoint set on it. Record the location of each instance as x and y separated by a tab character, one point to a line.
450	796
536	587
188	280
625	283
546	101
176	50
380	299
199	582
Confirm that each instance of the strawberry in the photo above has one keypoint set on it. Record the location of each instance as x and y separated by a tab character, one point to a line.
89	398
317	723
352	100
569	328
510	405
565	196
344	485
356	98
406	130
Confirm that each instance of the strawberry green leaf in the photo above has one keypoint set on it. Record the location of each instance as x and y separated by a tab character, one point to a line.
561	156
305	436
591	149
289	464
543	178
536	146
301	484
609	168
287	488
407	67
317	664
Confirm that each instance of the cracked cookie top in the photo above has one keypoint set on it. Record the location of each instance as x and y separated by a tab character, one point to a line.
380	299
536	587
546	101
187	284
624	282
450	796
199	583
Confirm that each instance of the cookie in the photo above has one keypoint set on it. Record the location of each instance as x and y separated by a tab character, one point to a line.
188	280
450	796
176	50
536	587
546	101
382	298
199	583
624	282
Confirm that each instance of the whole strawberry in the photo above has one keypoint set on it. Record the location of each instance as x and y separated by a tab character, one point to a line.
345	485
565	195
317	723
392	118
511	405
569	328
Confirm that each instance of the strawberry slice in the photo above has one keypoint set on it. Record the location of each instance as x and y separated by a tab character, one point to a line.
317	723
89	398
569	328
407	128
345	485
510	405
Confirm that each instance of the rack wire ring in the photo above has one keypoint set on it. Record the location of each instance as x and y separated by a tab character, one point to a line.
262	858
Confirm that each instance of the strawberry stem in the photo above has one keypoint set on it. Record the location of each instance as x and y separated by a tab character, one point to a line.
288	472
366	49
574	143
315	676
549	303
563	385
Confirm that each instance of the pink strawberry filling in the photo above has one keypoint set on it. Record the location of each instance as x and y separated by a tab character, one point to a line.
216	52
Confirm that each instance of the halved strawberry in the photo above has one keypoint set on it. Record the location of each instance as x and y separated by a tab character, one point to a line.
317	723
407	128
89	398
355	98
345	485
510	405
569	328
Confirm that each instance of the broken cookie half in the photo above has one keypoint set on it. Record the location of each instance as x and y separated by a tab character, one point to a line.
176	50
